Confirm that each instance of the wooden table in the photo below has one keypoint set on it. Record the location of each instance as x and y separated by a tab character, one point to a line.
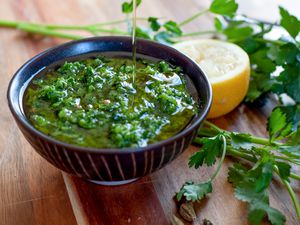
32	192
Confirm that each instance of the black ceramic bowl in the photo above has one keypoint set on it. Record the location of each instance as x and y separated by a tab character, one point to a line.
109	166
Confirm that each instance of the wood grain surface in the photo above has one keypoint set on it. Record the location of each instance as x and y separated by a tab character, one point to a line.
32	192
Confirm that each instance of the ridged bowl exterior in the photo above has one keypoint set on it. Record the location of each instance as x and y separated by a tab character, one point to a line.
107	164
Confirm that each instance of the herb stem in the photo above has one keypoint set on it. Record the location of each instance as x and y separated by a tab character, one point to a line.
277	42
253	139
37	29
198	33
50	29
47	32
193	17
6	23
260	40
287	159
59	27
15	24
235	153
294	176
261	141
293	197
88	28
216	128
117	22
206	132
112	31
221	160
291	193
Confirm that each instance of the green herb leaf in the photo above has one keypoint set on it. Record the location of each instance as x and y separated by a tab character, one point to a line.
237	31
245	191
278	125
240	140
255	216
218	24
291	149
250	45
267	57
164	37
285	54
284	170
127	7
260	84
142	33
194	192
259	209
211	149
294	139
265	177
292	113
246	183
236	173
224	7
289	82
154	24
173	27
289	22
262	63
251	184
197	159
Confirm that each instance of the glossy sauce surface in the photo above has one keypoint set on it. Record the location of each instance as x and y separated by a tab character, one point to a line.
93	103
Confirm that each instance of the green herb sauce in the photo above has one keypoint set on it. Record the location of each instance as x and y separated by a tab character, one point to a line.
93	102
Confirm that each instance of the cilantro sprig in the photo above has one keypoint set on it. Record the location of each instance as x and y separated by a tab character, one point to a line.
275	63
212	147
275	68
269	158
251	187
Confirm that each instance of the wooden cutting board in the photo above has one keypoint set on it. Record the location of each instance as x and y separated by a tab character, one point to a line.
32	192
150	199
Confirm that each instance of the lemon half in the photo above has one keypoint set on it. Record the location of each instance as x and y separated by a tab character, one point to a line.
227	67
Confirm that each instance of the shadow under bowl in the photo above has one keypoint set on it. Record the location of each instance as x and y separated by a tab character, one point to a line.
109	166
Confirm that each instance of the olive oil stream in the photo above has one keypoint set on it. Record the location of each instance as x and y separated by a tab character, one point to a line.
134	40
133	34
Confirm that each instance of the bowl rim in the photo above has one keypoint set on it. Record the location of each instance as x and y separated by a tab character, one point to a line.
71	147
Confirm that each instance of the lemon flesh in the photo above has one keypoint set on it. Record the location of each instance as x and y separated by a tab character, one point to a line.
227	67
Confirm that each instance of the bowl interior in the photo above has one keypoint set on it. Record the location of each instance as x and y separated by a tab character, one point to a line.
197	83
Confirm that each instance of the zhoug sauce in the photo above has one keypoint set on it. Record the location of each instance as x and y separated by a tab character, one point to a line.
93	102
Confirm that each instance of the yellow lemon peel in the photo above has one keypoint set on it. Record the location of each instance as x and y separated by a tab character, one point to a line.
227	67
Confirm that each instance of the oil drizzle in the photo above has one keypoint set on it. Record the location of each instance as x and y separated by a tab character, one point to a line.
134	41
133	35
